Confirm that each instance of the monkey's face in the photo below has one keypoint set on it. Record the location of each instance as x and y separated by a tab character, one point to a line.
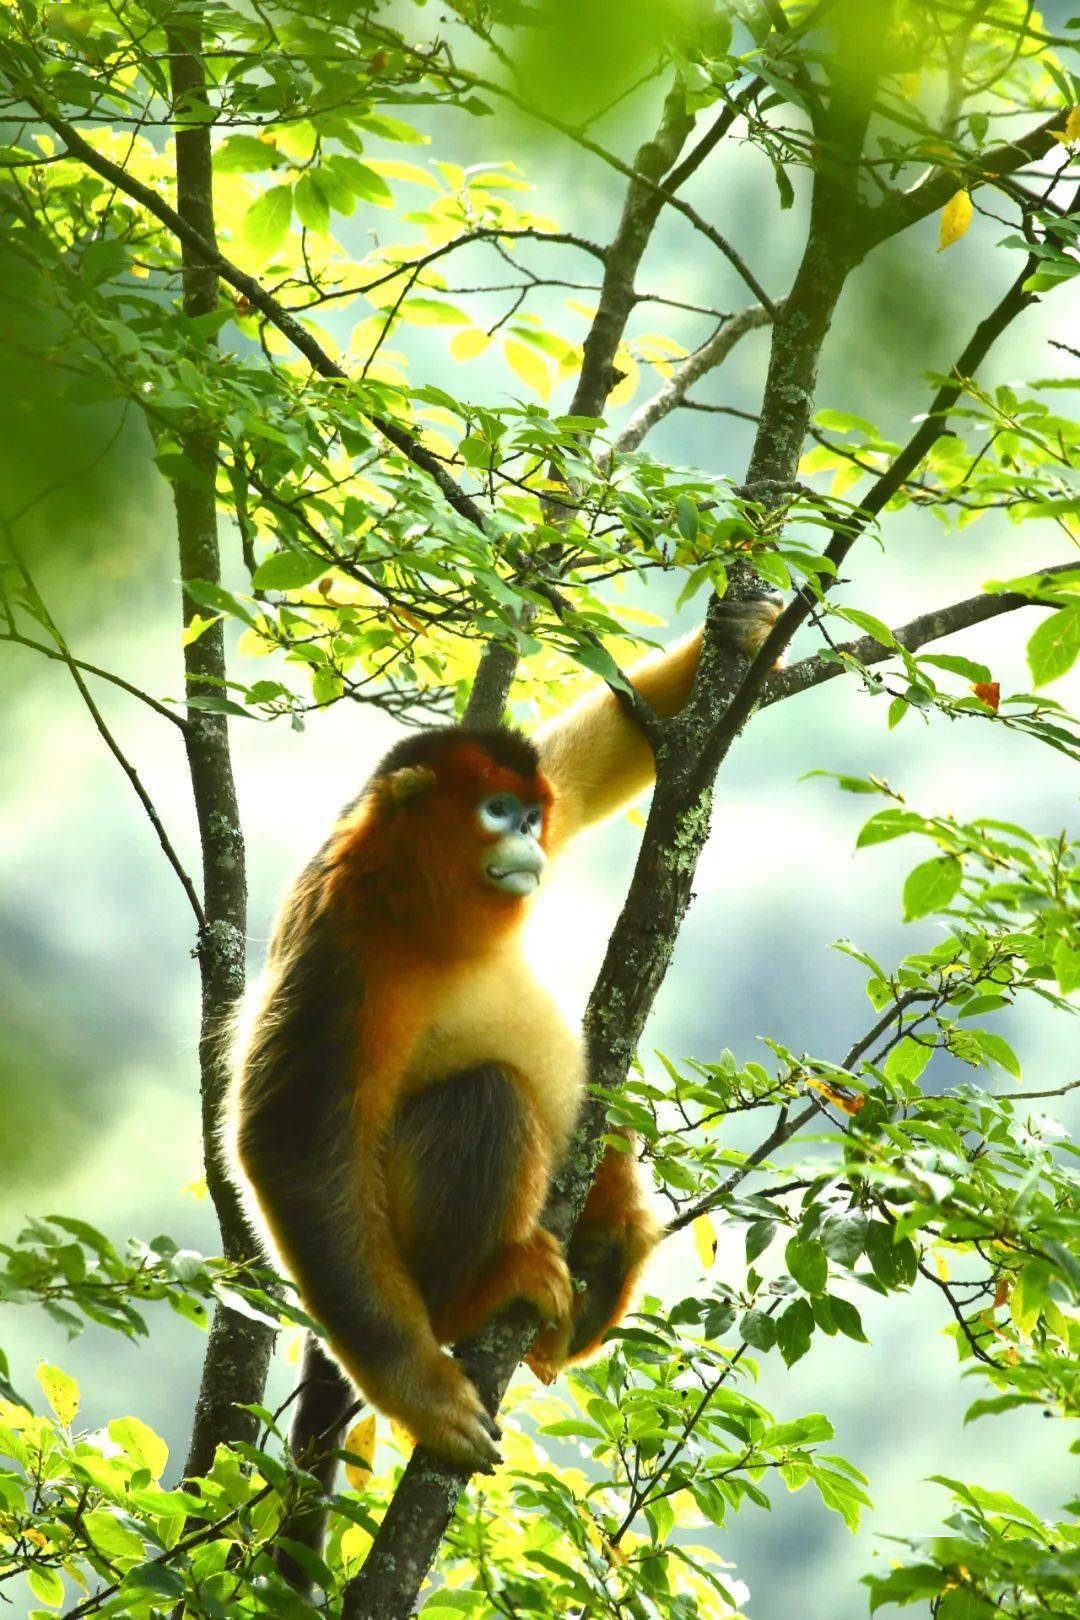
467	822
511	826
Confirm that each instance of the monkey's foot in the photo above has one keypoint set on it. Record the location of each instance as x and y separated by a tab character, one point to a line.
448	1417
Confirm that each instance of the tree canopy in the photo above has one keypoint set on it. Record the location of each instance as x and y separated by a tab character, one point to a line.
404	415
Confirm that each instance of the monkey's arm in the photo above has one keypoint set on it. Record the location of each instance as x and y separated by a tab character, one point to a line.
313	1115
596	757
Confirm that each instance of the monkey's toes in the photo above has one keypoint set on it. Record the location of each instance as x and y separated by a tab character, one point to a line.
459	1429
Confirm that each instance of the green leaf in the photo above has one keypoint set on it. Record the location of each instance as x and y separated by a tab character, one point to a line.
208	594
759	1234
1067	966
885	825
244	154
46	1585
312	208
758	1330
998	1050
895	1264
154	1577
866	622
845	422
268	219
288	571
804	1431
686	517
364	181
599	660
392	129
794	1329
111	1537
843	1237
808	1264
1054	647
847	1318
434	312
908	1059
964	667
931	886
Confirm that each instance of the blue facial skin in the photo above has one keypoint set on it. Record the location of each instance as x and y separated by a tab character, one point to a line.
513	861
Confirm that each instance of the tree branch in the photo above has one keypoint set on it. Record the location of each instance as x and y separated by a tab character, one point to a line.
933	426
20	640
933	626
102	728
640	211
932	192
707	358
203	249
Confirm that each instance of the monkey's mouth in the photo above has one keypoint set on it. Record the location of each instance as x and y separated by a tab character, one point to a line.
519	880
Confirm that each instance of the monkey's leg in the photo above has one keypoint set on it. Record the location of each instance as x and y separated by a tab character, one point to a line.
324	1401
469	1174
313	1140
611	1242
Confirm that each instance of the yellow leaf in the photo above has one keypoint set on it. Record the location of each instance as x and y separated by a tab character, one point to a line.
355	1542
145	1448
61	1391
627	387
528	366
396	169
705	1240
636	819
1072	126
955	219
253	645
438	444
941	1266
294	1346
909	84
468	344
196	1189
361	1441
196	626
839	1099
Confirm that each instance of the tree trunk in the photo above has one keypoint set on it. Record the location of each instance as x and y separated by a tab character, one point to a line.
238	1353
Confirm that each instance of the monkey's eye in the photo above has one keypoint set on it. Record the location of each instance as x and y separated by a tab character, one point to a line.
499	812
534	819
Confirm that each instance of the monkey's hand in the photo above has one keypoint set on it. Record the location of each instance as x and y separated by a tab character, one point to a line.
746	624
441	1409
542	1276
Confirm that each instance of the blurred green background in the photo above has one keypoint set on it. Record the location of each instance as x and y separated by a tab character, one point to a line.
98	1073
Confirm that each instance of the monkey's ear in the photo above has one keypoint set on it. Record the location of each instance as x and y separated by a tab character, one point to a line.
409	783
